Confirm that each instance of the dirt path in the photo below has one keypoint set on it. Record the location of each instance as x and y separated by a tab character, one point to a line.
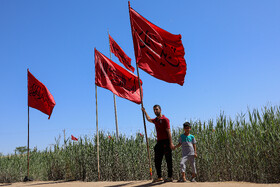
137	184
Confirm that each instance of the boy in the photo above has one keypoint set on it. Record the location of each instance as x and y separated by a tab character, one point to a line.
188	143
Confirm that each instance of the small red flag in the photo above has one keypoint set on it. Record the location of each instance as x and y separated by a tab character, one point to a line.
39	96
158	52
113	77
74	138
118	52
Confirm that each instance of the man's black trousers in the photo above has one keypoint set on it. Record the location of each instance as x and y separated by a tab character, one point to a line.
162	148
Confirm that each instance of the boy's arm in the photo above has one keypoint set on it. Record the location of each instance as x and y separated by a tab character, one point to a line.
194	147
178	145
146	114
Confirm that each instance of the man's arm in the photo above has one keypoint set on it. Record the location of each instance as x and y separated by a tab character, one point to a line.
170	138
146	114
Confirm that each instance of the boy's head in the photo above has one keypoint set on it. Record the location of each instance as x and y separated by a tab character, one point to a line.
187	127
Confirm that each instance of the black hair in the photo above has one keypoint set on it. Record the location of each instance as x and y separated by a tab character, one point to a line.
187	124
157	106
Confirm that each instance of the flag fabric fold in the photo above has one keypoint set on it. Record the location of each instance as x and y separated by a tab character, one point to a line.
120	54
118	80
74	138
39	96
157	52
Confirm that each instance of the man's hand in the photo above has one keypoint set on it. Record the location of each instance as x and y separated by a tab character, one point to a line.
147	116
172	146
195	155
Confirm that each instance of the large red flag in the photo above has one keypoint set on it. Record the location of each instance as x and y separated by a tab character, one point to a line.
118	52
39	96
158	52
113	77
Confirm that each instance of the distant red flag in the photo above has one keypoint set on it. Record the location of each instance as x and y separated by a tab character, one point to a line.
113	77
74	138
118	52
39	96
158	52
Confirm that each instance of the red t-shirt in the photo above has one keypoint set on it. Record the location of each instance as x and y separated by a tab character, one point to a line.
161	125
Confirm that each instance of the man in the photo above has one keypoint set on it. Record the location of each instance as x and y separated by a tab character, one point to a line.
164	143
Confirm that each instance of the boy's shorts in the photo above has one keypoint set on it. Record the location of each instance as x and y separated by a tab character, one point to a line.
191	160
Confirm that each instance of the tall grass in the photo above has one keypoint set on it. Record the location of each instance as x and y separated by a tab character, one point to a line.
239	150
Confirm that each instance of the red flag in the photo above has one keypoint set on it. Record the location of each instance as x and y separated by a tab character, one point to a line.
74	138
158	52
113	77
118	52
39	96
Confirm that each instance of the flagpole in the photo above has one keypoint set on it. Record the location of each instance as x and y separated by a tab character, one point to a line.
27	177
115	105
97	134
28	147
147	141
116	116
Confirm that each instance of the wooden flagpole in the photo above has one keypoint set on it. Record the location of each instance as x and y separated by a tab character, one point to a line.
142	105
115	105
97	135
28	147
27	177
144	121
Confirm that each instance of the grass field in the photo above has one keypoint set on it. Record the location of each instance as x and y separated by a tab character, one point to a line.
229	150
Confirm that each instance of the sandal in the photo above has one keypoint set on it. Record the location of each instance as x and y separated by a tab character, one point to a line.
169	179
193	180
157	180
182	180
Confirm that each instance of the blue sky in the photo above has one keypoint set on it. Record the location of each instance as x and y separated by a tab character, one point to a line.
232	55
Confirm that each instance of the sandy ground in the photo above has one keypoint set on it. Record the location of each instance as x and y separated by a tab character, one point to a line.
136	184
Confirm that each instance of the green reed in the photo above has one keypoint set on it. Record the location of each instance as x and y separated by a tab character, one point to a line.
243	149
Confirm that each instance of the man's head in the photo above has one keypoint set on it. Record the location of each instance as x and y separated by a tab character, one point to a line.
157	110
187	127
